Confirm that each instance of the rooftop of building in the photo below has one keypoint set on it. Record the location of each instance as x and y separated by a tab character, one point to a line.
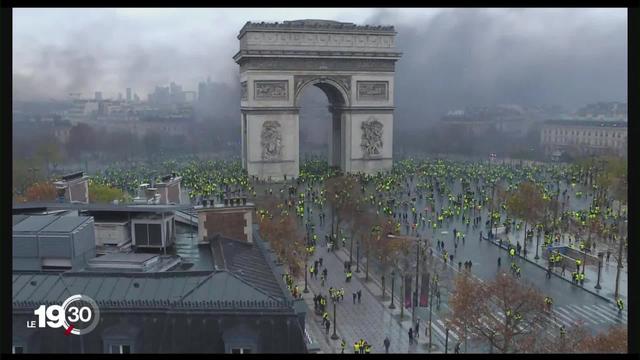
50	223
588	122
247	261
34	206
316	25
178	291
223	275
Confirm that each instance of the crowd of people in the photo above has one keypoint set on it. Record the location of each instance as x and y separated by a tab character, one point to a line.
423	197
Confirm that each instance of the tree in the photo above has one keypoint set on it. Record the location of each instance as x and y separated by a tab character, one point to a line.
151	141
41	192
580	340
522	308
616	170
99	193
122	145
363	227
279	227
614	340
384	249
49	153
462	302
25	173
526	203
82	138
339	190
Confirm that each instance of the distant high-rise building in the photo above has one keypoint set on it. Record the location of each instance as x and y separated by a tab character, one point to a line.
177	95
98	95
128	94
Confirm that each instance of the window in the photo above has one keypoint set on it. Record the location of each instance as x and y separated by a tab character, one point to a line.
120	349
241	350
17	349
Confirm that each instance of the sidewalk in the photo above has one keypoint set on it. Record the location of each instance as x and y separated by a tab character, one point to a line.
607	275
370	320
446	273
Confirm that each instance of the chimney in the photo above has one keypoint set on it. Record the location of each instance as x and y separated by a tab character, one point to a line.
150	193
61	192
169	189
73	188
142	190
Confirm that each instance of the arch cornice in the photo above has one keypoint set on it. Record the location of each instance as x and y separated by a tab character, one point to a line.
341	83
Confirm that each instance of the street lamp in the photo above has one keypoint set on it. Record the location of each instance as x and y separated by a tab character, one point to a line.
306	291
358	256
415	297
446	341
431	291
383	289
334	336
600	255
393	282
415	293
493	186
402	291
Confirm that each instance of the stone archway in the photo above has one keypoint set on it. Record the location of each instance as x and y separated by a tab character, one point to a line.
353	65
338	96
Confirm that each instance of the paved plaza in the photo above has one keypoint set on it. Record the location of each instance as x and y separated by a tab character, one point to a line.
372	319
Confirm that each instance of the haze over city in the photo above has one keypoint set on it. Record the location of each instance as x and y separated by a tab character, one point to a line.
452	57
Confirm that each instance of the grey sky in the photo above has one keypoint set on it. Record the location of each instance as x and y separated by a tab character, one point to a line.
451	56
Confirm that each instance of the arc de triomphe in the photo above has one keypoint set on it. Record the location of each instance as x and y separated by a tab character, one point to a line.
353	65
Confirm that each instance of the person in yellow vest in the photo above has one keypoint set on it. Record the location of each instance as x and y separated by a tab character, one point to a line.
362	344
367	348
548	301
356	347
343	344
512	252
620	304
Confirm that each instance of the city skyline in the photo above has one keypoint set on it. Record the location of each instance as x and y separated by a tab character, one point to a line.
450	55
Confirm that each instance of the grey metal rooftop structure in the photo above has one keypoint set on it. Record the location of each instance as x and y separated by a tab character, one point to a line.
65	224
102	207
34	224
188	291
